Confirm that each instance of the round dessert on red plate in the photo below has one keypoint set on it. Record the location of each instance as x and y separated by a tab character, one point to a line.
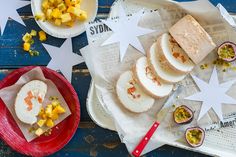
61	134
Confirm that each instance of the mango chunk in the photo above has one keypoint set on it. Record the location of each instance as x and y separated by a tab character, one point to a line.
39	132
82	16
59	109
42	36
48	111
41	122
50	123
54	115
57	22
26	46
65	17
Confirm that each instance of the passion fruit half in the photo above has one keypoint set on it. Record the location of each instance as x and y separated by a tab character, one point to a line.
195	136
183	115
227	51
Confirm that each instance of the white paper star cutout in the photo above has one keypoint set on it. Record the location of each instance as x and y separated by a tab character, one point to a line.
212	95
63	58
126	31
8	9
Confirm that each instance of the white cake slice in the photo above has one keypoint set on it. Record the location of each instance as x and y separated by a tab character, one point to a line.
194	40
29	101
160	69
173	55
131	95
150	83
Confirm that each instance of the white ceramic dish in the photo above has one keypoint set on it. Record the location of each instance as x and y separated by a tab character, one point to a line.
90	6
96	110
209	148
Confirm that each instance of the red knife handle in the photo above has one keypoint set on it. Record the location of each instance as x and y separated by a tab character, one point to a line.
139	148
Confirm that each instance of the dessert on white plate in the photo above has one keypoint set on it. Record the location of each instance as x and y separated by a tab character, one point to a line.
29	101
172	55
149	82
131	94
159	68
90	6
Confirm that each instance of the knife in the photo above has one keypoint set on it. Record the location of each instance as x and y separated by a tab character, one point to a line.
160	116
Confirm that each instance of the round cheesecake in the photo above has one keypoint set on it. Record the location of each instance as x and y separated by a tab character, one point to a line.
149	82
29	101
173	55
131	94
159	67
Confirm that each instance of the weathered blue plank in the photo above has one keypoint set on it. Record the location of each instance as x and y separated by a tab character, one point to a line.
11	45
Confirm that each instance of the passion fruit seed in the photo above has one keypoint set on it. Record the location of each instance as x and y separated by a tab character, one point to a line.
183	115
195	136
226	51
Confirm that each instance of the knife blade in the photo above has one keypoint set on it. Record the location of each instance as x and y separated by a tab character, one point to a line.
168	103
160	116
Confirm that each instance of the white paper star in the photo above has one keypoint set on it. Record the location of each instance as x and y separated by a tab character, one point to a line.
8	9
212	95
63	58
126	31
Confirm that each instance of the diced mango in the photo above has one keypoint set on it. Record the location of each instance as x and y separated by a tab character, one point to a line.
74	10
42	36
49	14
52	1
63	12
50	123
39	17
39	132
44	116
71	9
67	2
59	1
55	103
33	33
56	13
82	16
77	5
57	22
61	7
70	23
26	46
54	115
41	112
41	122
27	37
48	111
59	109
65	17
74	2
45	4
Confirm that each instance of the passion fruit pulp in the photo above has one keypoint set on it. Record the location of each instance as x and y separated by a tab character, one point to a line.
183	115
195	136
227	51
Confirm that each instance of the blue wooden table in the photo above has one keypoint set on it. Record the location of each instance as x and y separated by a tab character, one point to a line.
90	139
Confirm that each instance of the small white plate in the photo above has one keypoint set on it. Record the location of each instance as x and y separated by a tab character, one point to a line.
90	6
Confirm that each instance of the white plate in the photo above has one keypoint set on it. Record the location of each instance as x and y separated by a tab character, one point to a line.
90	6
96	110
208	148
95	107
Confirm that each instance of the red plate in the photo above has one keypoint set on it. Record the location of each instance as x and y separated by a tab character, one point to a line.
61	134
